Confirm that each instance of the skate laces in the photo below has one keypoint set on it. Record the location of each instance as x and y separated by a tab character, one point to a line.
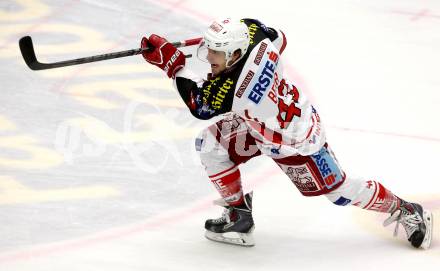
410	222
226	212
225	217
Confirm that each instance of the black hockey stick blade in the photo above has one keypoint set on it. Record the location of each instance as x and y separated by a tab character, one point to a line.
28	53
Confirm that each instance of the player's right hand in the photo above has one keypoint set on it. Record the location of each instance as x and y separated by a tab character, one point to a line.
162	54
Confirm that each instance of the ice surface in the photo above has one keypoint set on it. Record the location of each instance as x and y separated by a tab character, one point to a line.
97	165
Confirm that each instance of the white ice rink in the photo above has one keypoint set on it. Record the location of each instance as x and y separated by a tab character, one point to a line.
97	165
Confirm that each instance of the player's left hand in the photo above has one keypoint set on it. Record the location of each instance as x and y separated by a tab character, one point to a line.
163	54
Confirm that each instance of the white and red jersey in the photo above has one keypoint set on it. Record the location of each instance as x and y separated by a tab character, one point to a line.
278	115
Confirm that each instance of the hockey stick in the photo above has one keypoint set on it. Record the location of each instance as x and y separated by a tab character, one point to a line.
28	53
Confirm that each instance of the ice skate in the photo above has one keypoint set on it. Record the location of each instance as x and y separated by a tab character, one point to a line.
235	226
416	222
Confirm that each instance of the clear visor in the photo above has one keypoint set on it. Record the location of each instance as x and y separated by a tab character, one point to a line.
202	52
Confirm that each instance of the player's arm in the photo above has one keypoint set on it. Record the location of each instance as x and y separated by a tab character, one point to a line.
190	88
171	60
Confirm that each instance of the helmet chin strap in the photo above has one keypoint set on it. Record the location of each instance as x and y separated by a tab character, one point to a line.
228	59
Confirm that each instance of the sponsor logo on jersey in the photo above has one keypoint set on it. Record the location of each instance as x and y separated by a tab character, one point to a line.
205	111
328	167
265	78
219	97
253	28
302	179
245	83
273	56
207	89
273	90
261	50
218	93
229	127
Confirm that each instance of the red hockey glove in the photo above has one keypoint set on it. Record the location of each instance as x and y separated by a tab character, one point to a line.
163	54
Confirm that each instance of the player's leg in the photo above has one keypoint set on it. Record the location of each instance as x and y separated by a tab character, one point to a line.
313	175
321	174
222	148
372	195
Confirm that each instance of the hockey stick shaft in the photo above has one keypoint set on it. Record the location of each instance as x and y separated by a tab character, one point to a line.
28	53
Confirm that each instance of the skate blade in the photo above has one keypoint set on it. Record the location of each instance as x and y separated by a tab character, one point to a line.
428	218
233	238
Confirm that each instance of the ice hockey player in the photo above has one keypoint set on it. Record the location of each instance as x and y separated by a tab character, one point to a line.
264	113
